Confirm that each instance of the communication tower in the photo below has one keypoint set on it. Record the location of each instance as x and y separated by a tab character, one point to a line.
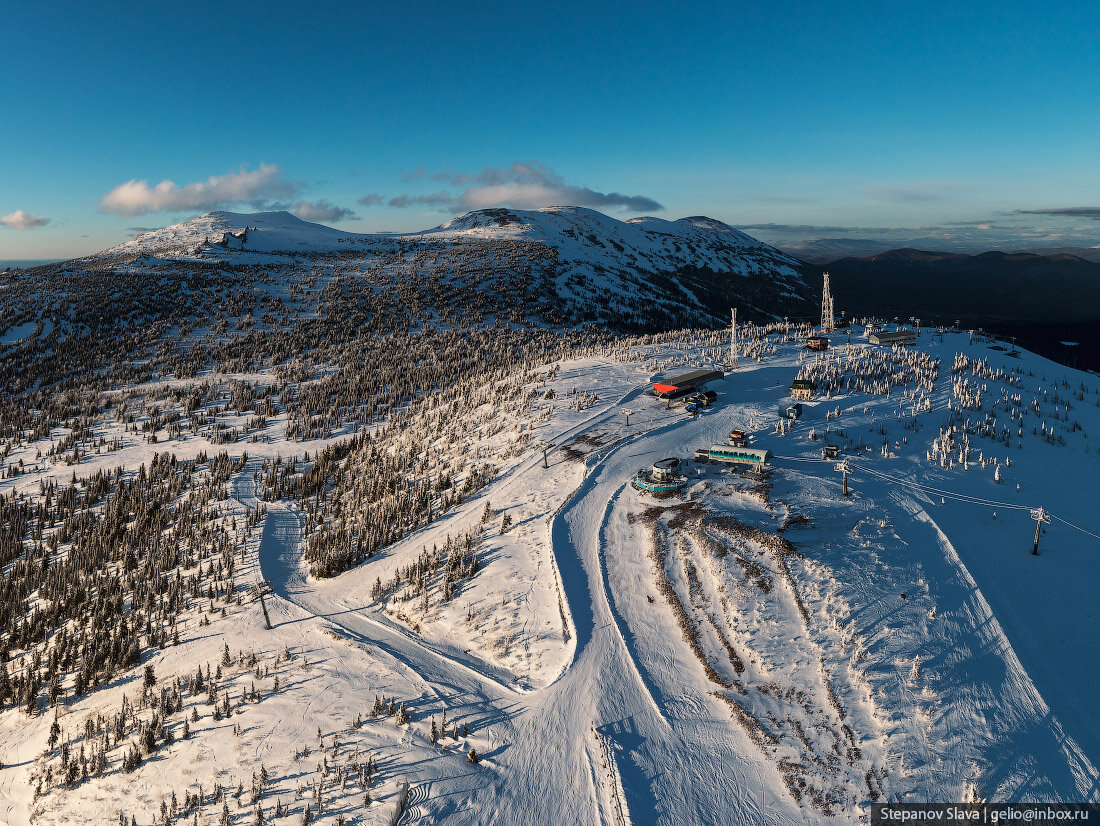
733	338
827	325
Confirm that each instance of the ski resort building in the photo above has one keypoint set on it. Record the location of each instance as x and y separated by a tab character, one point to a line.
802	389
751	456
891	337
678	385
663	477
817	342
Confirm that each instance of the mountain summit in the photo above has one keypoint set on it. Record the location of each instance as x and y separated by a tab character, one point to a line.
270	232
566	263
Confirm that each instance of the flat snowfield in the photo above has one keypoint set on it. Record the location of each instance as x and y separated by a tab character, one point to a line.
756	647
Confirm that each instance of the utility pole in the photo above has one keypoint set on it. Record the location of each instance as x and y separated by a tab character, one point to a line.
1040	516
842	467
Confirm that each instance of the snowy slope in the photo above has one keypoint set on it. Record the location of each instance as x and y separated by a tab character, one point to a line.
586	236
579	263
267	232
578	233
756	651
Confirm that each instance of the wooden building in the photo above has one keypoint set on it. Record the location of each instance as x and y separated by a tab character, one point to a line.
802	389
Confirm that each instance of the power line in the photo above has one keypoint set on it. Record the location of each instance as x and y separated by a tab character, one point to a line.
960	497
974	500
1075	527
965	497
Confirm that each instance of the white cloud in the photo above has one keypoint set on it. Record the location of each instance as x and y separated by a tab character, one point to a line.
23	220
322	211
254	187
520	185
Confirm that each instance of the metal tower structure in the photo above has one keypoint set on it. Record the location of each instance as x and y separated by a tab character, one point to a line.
1040	516
843	467
733	338
827	325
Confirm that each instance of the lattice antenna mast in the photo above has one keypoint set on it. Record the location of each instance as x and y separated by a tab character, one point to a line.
826	308
733	338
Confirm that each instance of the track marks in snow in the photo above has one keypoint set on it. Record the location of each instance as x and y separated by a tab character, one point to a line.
281	562
742	616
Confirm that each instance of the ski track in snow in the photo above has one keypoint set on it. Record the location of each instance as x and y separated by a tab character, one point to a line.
604	691
643	748
943	687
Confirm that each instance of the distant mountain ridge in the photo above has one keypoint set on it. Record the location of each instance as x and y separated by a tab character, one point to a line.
577	264
1042	300
823	251
917	257
571	229
990	287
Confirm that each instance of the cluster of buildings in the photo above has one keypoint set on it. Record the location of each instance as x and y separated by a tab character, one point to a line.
665	475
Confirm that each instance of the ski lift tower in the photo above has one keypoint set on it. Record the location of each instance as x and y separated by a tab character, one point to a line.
843	467
1040	516
261	589
827	323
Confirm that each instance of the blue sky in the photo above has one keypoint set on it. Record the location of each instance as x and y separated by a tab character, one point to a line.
794	119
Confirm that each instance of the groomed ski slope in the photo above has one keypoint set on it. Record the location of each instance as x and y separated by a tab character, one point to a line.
900	643
630	731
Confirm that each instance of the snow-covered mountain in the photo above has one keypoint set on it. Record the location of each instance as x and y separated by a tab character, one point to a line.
586	236
434	480
583	265
266	232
